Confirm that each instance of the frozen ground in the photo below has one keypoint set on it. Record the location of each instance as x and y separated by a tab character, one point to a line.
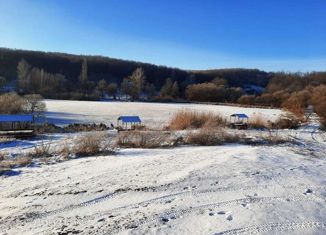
231	189
157	114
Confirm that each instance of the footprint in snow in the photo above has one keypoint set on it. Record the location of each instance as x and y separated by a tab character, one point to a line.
229	217
308	191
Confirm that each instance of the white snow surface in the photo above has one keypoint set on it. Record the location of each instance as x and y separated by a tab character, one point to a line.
230	189
152	114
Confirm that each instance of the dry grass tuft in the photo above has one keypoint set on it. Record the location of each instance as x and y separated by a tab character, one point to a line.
41	150
208	137
275	139
186	119
91	144
286	122
258	122
145	139
65	151
8	163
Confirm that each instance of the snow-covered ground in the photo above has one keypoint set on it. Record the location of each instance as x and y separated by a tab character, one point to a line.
230	189
154	114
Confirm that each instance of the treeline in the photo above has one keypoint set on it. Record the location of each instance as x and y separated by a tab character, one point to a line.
68	68
66	76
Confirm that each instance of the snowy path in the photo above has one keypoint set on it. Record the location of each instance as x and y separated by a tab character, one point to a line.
199	190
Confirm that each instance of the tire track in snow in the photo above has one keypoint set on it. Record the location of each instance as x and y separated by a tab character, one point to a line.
175	214
161	199
279	227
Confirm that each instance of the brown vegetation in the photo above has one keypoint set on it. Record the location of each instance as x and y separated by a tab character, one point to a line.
41	150
7	163
12	103
258	122
208	136
91	144
186	119
319	102
145	139
286	122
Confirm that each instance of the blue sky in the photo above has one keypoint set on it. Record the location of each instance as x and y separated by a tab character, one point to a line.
278	35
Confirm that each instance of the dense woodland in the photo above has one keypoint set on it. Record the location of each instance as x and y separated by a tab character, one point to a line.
66	76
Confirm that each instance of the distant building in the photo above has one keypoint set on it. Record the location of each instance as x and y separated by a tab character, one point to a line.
239	120
128	122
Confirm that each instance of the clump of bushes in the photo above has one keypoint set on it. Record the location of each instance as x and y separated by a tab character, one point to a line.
41	150
91	144
206	136
258	122
146	139
286	122
7	163
319	102
186	119
12	103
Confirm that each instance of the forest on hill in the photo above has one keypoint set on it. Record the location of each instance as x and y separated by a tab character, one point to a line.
84	77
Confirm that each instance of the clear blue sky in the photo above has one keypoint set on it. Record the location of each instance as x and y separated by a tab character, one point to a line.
272	35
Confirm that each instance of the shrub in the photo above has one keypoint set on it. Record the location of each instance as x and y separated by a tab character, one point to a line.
258	122
65	150
145	139
8	163
274	139
286	122
11	103
41	150
186	119
91	144
207	136
247	99
297	103
319	102
205	92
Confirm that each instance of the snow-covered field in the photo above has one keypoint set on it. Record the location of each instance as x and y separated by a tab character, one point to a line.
155	114
230	189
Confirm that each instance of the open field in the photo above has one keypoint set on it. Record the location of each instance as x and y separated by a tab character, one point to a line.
228	189
153	114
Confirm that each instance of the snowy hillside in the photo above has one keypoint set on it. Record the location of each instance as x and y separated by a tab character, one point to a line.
229	189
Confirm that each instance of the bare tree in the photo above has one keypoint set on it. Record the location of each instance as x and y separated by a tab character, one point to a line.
175	90
166	89
138	80
23	70
112	89
102	86
83	77
34	104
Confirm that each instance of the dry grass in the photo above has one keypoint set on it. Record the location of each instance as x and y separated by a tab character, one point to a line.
145	139
8	163
186	119
65	151
258	122
210	136
286	122
41	150
91	144
274	139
